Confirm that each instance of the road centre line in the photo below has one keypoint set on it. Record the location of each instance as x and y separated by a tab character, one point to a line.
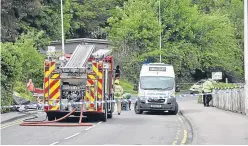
78	133
54	143
72	135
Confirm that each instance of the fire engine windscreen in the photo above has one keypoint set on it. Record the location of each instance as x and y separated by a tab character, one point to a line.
157	83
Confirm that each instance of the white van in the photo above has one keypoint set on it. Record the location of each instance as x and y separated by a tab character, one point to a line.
156	89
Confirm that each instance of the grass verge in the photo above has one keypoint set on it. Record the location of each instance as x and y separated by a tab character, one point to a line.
127	87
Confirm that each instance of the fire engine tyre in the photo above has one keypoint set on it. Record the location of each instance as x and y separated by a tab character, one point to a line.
137	110
105	114
110	115
175	111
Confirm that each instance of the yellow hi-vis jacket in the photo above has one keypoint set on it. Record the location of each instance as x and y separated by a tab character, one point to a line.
118	91
207	87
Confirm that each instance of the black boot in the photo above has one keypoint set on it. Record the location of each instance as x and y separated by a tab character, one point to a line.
119	113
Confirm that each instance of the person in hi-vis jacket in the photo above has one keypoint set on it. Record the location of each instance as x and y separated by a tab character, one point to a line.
118	92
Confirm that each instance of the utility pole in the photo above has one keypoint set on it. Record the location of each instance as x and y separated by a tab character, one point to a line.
62	28
160	43
246	54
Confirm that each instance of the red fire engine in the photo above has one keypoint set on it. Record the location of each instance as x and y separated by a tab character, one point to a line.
83	81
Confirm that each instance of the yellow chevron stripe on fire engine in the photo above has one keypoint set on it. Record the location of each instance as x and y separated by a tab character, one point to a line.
51	69
54	76
55	86
56	96
88	95
56	107
92	77
99	83
95	69
47	74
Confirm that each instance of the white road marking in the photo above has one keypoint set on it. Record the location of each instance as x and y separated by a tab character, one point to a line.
88	128
54	143
78	133
72	136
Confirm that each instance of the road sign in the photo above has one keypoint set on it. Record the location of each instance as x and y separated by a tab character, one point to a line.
216	75
51	49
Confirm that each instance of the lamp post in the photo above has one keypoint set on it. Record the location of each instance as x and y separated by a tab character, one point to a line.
62	27
160	43
246	54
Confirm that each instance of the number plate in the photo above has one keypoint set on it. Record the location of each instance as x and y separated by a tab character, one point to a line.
156	106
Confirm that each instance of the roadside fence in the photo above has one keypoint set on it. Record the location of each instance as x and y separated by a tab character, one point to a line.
229	99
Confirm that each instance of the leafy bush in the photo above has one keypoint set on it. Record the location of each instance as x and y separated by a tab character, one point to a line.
19	62
22	90
225	86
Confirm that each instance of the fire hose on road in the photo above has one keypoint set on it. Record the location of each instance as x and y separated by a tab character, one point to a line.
53	123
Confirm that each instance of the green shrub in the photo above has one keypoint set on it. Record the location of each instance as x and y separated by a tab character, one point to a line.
22	90
225	86
127	87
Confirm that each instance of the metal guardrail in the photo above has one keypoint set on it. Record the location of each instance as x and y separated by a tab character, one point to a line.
231	101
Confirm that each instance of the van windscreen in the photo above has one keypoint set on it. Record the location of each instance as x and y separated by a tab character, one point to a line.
156	83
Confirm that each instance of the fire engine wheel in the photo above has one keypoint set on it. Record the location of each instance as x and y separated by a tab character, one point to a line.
110	115
105	114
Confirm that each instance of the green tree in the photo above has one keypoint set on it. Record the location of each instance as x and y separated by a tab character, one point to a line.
134	30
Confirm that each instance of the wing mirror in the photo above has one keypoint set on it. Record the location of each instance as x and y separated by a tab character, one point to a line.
177	88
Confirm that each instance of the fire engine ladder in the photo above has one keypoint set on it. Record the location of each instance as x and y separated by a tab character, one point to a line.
79	57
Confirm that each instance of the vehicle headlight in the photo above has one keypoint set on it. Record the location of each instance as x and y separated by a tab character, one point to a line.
172	95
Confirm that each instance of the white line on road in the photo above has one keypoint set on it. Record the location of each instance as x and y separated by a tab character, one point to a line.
54	143
98	123
88	128
78	133
72	135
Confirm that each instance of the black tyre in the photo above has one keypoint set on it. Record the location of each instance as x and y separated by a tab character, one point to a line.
175	111
137	110
105	114
110	115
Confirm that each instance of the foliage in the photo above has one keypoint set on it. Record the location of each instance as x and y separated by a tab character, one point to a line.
198	35
19	62
191	40
32	62
21	88
127	87
11	69
226	86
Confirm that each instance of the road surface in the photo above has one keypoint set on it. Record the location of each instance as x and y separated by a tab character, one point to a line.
127	128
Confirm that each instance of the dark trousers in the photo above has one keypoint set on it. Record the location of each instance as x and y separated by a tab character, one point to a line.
206	99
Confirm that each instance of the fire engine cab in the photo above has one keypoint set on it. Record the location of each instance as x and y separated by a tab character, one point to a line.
82	81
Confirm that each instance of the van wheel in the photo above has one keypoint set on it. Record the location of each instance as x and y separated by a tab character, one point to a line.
175	111
137	110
